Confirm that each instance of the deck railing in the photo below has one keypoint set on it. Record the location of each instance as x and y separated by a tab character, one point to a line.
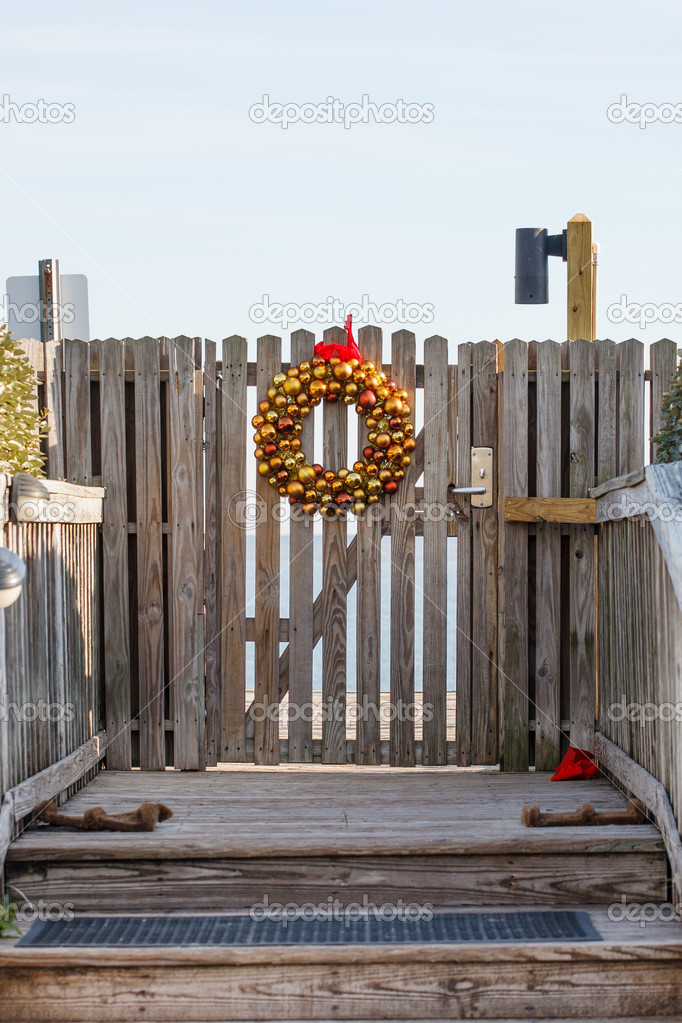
50	679
640	643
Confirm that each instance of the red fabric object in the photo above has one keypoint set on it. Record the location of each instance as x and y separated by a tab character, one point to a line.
345	352
578	763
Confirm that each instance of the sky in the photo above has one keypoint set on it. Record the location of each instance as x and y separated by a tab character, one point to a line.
188	213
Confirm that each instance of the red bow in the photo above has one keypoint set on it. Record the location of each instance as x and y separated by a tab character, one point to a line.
345	352
577	763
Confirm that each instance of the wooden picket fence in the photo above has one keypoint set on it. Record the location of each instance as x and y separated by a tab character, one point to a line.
164	426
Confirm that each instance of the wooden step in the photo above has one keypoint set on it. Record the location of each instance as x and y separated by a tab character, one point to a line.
443	836
633	973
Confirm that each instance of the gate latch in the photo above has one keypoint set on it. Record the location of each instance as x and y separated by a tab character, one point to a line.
481	489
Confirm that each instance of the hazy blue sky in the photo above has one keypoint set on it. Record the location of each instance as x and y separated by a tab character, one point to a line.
183	212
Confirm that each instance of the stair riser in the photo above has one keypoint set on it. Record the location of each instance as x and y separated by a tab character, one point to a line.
211	884
398	990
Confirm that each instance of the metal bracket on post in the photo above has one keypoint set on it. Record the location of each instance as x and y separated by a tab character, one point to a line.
481	489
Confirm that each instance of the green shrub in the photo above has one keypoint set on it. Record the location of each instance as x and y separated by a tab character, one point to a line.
21	426
669	437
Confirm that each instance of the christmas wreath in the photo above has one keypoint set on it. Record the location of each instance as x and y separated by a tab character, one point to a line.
335	373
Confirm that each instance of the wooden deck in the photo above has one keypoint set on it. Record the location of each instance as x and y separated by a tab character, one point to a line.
442	837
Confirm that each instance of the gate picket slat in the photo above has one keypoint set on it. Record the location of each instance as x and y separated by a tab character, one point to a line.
78	426
53	402
184	652
630	416
435	628
548	555
663	362
334	585
115	554
606	364
515	559
581	546
149	551
484	685
368	626
266	731
212	554
232	421
463	479
301	560
403	367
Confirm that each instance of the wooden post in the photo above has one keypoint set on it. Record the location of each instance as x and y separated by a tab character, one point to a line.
581	315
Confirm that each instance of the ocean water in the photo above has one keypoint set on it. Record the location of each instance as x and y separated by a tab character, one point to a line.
449	610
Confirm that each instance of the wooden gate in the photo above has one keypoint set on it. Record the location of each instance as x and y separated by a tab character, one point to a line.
198	654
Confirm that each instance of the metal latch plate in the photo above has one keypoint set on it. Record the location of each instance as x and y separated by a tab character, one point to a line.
482	476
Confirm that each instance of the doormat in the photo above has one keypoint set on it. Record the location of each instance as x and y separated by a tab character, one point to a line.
242	929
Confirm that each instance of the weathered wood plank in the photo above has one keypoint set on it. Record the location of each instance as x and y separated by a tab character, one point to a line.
212	554
548	558
550	509
435	582
266	731
55	779
514	566
301	561
53	401
334	584
464	623
76	356
184	654
607	416
232	421
581	553
368	614
485	747
115	555
630	417
403	586
663	362
149	553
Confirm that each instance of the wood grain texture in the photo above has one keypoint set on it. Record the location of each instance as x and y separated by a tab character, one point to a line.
301	562
630	417
369	666
76	356
149	518
548	560
185	540
212	554
266	729
334	584
403	584
435	582
515	481
580	288
464	623
550	509
55	466
115	555
232	420
581	554
663	363
485	747
606	360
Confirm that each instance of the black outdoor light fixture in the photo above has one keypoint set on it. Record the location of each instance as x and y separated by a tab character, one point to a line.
533	249
12	575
